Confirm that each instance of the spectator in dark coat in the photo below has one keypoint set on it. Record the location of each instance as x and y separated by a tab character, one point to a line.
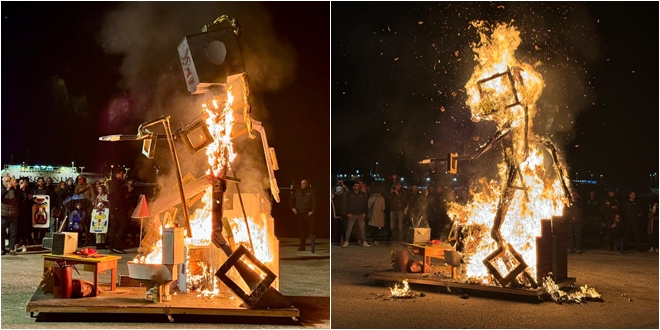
24	226
573	216
631	211
339	200
652	228
10	197
118	209
398	204
356	210
615	233
302	204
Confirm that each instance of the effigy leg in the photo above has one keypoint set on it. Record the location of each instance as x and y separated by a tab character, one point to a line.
503	205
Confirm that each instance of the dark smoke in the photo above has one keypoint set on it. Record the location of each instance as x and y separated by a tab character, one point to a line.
147	35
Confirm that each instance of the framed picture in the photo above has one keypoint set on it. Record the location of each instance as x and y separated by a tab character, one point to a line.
41	211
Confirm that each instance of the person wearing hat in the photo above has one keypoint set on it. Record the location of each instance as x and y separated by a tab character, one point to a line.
339	200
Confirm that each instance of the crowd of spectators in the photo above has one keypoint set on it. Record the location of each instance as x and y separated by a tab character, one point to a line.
361	213
613	223
71	205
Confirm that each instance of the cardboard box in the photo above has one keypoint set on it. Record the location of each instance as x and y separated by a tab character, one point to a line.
64	243
419	235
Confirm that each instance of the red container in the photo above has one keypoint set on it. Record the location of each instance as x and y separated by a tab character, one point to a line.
401	261
62	287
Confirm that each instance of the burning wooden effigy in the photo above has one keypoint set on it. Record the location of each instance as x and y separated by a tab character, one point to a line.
511	234
223	245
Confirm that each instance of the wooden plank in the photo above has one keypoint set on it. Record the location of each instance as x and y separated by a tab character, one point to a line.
173	198
132	301
418	279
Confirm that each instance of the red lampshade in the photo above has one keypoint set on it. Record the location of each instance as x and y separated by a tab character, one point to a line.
141	211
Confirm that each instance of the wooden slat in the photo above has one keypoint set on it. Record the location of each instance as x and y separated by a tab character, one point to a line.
131	301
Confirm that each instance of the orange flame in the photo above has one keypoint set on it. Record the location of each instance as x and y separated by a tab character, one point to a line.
220	153
541	194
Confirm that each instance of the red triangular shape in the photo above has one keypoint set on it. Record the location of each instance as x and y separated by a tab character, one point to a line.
141	211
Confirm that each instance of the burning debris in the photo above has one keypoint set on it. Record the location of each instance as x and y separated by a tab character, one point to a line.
403	291
553	292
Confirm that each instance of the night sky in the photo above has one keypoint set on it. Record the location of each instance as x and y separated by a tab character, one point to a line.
119	64
399	72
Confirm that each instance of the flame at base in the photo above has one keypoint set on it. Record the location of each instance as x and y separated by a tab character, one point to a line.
402	292
201	224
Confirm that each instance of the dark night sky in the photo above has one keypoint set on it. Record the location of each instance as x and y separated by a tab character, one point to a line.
399	72
120	65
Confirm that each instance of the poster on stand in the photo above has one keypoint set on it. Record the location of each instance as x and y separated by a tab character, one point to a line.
100	219
41	211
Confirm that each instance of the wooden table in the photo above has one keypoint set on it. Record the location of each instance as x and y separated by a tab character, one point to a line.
428	251
96	265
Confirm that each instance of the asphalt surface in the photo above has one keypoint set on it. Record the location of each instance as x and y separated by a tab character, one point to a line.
304	279
360	302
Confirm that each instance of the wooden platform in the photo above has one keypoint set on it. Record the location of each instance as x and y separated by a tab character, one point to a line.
131	300
429	279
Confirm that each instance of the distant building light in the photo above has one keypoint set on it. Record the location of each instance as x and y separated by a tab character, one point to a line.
357	171
454	179
585	181
401	179
428	179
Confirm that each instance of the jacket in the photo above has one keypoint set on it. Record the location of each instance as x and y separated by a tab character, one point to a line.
357	203
10	202
631	210
376	211
398	202
302	200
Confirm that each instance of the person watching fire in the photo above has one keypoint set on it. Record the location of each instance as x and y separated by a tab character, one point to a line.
398	203
302	204
631	211
10	197
118	212
574	216
357	211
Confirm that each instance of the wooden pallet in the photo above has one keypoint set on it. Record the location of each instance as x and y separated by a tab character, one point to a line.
131	300
428	279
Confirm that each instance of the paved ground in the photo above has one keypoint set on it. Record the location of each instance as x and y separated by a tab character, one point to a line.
635	275
304	279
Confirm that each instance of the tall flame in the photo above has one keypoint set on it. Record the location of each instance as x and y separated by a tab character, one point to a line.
538	194
220	122
220	154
